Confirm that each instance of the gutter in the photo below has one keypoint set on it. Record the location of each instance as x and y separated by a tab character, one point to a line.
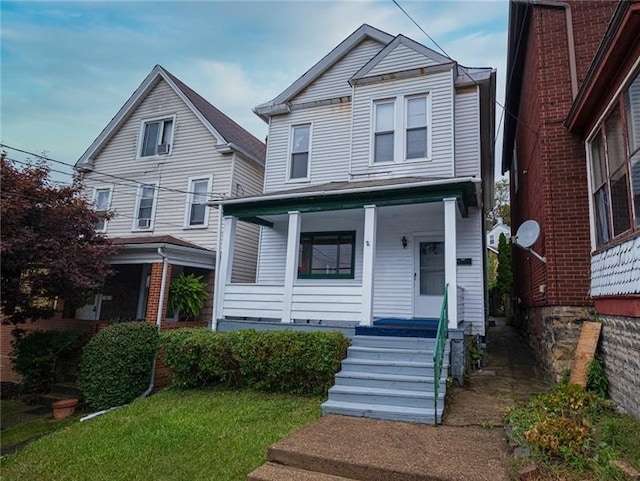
324	193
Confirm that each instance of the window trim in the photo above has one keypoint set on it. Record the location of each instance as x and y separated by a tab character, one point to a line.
134	224
374	110
311	235
189	201
146	121
407	98
109	199
599	130
290	153
400	128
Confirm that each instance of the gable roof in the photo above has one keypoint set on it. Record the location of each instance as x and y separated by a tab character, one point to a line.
229	135
390	47
363	32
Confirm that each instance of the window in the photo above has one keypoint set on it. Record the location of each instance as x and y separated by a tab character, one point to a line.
327	255
197	211
432	272
615	168
101	203
299	162
416	138
384	113
156	137
145	208
492	239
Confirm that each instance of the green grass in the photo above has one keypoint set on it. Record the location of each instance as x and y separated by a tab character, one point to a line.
216	434
33	429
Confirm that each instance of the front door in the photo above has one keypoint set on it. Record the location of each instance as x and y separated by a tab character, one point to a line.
428	277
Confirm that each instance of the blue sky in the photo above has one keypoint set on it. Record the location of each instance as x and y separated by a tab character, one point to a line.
68	67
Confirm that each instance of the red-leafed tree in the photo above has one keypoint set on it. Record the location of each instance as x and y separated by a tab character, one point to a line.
50	248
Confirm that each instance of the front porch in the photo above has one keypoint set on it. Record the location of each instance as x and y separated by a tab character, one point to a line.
405	248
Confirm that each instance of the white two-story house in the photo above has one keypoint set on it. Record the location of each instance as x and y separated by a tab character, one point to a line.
379	162
156	165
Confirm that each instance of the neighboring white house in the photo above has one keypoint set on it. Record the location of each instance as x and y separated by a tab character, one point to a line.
379	166
163	156
493	236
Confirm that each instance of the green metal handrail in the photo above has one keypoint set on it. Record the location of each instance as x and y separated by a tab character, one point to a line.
438	353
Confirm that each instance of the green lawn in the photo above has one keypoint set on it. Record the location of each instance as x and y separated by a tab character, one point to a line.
181	435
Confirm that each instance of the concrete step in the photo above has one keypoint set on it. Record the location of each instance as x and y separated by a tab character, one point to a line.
392	354
394	342
376	411
279	472
387	381
405	368
384	397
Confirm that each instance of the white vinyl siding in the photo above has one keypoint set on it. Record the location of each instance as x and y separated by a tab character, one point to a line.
469	232
335	81
401	58
439	87
193	155
467	118
247	181
329	145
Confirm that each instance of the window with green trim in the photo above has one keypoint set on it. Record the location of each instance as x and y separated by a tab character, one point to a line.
327	255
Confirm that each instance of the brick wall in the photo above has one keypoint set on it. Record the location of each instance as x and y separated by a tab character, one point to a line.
6	370
153	299
620	347
552	166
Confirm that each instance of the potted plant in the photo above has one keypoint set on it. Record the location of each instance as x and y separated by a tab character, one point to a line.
187	294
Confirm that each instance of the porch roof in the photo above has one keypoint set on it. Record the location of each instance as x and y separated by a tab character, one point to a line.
353	195
144	250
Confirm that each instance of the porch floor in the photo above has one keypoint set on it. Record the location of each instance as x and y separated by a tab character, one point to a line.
400	327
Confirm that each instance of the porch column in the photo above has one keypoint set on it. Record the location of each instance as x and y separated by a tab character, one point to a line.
450	264
368	261
153	310
226	263
291	266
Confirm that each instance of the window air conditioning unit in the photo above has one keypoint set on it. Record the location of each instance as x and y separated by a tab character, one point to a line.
163	149
144	223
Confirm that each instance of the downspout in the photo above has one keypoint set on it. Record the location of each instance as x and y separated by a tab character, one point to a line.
163	285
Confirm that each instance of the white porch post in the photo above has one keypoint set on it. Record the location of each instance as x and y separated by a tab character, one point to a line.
226	264
368	261
450	264
291	267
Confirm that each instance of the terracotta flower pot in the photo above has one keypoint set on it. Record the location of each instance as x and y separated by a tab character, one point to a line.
64	408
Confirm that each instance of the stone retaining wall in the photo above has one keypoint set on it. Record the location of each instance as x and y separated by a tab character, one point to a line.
620	347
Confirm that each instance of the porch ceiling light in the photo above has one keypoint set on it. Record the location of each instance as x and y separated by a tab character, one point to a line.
404	242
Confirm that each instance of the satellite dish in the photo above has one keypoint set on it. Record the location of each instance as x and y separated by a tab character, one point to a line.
528	233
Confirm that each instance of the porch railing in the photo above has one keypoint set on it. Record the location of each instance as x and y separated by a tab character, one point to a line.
438	353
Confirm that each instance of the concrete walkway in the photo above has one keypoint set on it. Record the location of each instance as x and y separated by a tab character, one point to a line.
470	445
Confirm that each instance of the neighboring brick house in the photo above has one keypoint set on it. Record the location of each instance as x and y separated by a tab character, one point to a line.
549	74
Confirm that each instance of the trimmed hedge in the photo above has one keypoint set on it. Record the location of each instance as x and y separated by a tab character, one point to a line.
116	364
274	361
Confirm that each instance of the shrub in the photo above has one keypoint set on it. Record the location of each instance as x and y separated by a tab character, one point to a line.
37	354
274	361
116	364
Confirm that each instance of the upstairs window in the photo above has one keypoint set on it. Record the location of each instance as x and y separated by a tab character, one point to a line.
145	208
197	214
101	203
416	127
299	160
615	168
383	142
156	137
327	255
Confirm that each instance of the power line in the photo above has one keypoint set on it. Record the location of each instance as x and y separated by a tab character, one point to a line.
49	159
